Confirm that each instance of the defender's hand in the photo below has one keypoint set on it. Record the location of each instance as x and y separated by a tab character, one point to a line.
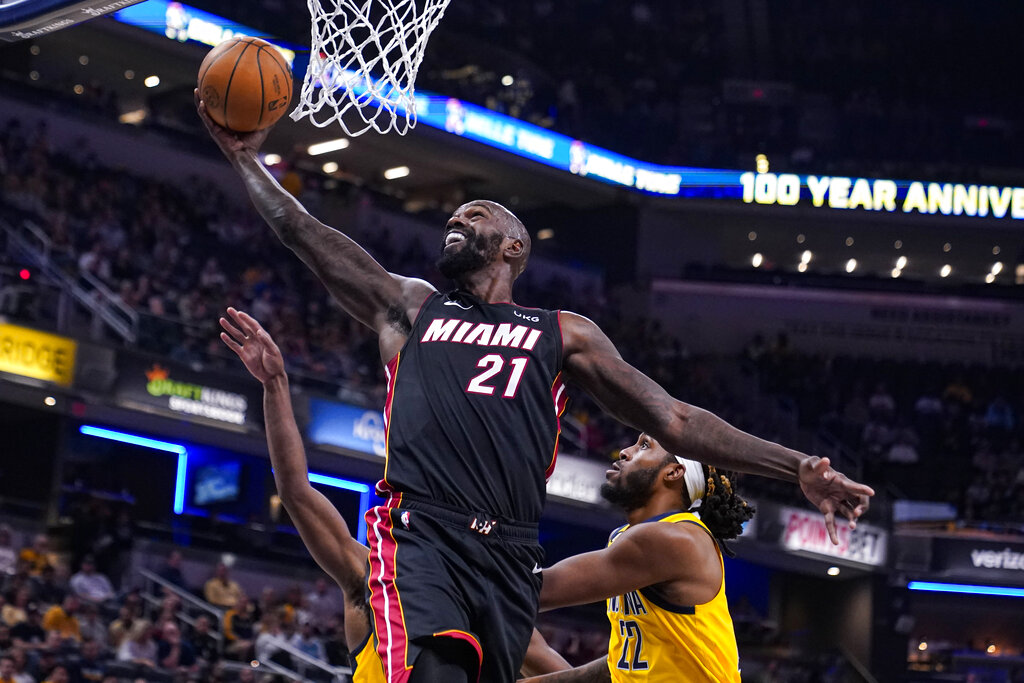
253	345
229	141
832	492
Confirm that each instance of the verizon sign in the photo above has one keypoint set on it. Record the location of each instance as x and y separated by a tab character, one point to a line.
980	560
805	531
995	559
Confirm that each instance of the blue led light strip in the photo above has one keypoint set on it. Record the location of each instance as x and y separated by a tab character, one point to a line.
167	447
968	589
182	471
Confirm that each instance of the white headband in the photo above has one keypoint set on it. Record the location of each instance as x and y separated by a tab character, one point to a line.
696	486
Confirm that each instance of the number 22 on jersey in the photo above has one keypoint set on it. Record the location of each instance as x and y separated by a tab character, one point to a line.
632	644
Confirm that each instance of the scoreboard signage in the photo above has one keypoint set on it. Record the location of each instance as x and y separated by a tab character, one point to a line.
147	383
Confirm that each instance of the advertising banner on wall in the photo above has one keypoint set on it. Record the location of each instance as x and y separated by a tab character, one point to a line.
145	382
986	562
346	426
577	479
803	531
39	355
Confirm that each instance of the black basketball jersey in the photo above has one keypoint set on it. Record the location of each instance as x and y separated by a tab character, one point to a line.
473	407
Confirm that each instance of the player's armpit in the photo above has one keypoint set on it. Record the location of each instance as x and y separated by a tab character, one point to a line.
541	658
595	672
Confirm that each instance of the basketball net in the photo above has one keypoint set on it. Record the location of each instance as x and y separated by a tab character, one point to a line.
364	55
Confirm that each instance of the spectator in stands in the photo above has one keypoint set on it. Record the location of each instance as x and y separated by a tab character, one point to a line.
221	590
8	555
139	648
175	654
171	571
91	624
29	634
306	641
6	641
63	620
51	586
169	608
91	586
881	405
203	641
21	666
91	666
38	555
14	612
126	622
6	669
322	605
268	642
59	674
239	631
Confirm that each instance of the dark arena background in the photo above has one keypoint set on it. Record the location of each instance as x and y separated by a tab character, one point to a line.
804	216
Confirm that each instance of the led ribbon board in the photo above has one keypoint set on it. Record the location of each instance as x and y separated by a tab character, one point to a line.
181	22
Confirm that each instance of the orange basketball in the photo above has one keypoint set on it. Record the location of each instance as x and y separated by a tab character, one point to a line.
246	84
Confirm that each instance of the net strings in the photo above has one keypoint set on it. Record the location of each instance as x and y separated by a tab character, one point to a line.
364	57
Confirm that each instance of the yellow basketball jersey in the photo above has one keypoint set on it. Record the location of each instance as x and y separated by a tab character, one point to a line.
656	641
368	667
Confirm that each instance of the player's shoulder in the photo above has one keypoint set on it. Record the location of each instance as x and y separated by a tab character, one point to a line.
680	537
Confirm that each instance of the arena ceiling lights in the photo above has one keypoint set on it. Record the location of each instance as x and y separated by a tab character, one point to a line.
327	146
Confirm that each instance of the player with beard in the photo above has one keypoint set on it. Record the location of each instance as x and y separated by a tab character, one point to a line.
662	573
475	391
319	524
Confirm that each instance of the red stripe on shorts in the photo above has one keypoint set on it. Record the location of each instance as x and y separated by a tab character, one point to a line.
385	602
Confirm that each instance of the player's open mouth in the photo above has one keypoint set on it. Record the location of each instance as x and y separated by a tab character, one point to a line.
613	470
454	237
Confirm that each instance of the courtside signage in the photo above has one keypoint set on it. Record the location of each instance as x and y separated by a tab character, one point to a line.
804	531
39	355
346	426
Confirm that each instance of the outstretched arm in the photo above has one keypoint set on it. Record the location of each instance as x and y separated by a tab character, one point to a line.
321	527
595	672
363	288
592	362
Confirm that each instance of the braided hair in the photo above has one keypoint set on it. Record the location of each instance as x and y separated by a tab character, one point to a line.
722	511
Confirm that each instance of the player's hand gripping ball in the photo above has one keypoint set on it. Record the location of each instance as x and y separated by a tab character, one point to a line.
246	84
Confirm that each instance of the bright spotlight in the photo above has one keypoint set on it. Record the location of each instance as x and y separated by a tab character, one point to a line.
151	81
271	159
507	80
997	267
757	260
327	146
806	257
901	262
851	265
396	172
330	167
833	571
946	270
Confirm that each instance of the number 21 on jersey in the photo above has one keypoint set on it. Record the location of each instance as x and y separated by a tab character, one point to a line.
493	364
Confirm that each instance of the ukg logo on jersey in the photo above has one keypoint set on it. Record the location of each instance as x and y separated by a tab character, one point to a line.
195	399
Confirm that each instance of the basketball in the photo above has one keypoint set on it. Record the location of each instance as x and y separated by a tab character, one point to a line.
246	84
